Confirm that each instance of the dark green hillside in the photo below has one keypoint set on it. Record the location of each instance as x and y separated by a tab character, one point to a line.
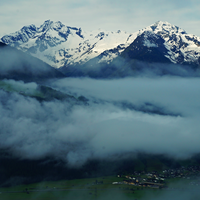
40	92
47	93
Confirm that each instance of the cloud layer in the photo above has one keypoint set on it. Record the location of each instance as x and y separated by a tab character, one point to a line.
102	129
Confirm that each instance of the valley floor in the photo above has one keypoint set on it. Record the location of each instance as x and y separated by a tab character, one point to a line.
111	187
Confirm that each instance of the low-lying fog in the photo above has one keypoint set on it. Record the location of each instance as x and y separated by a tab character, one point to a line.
103	129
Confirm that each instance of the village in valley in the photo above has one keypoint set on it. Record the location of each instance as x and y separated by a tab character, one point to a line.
135	185
159	180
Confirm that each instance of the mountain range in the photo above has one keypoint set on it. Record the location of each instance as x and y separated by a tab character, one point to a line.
79	53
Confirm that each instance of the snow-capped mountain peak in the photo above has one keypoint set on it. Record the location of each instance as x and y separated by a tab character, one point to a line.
178	46
45	26
161	27
166	27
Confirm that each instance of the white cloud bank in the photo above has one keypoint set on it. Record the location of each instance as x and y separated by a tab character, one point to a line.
31	129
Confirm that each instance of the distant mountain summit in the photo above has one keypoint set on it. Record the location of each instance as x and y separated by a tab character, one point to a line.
72	49
175	44
61	45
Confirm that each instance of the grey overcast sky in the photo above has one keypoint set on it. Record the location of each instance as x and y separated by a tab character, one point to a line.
127	15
